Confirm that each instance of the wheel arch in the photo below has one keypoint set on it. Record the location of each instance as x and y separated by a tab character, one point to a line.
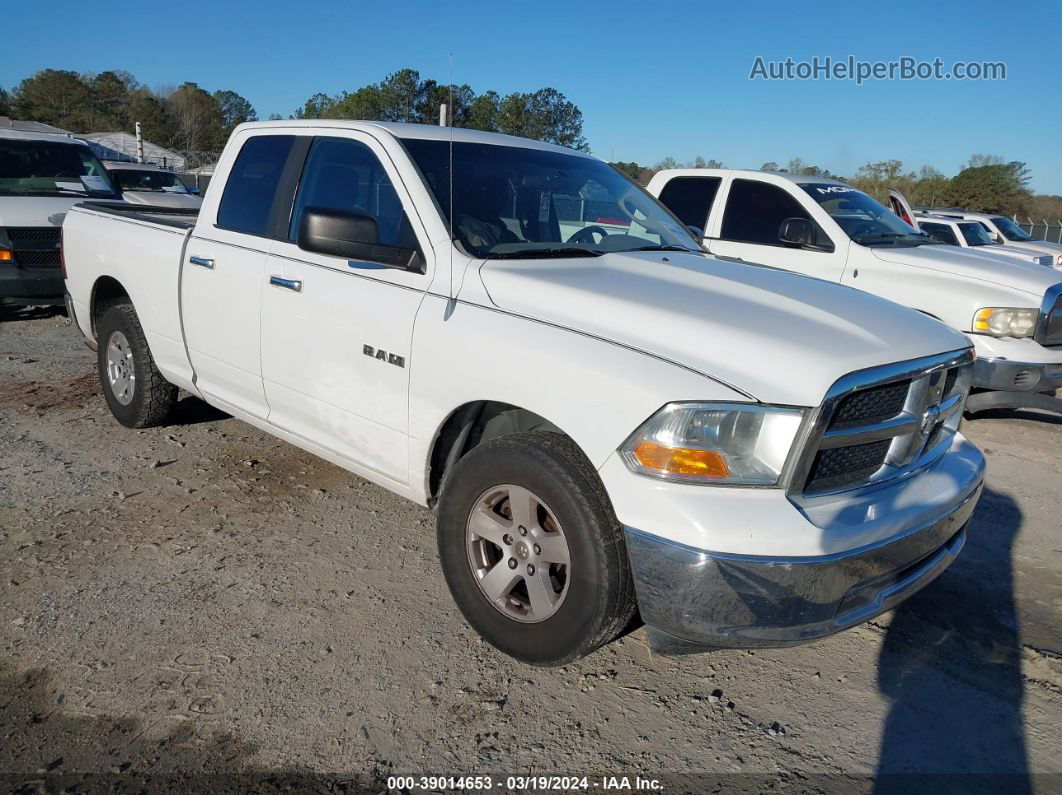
471	424
106	290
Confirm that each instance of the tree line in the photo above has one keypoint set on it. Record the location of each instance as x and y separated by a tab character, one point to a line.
186	117
986	183
189	117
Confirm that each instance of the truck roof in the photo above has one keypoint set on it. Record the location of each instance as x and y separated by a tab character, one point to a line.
799	179
430	132
30	135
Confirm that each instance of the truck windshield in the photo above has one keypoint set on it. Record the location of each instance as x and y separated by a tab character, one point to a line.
975	234
47	168
1010	230
148	180
864	220
517	202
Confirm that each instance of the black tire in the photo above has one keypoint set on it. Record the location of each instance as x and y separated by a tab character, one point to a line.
600	600
153	397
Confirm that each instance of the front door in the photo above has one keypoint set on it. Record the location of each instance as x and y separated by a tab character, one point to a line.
336	333
749	231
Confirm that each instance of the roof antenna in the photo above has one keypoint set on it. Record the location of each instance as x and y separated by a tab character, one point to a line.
450	124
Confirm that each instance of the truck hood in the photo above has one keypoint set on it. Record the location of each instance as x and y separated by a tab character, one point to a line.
162	199
1003	271
36	210
1045	246
777	336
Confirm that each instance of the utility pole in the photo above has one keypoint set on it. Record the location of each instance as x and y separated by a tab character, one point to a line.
139	144
444	121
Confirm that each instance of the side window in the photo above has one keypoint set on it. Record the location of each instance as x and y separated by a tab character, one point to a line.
341	174
755	210
690	198
941	232
252	184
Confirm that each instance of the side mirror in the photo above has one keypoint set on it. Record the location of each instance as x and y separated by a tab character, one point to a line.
696	231
352	236
797	232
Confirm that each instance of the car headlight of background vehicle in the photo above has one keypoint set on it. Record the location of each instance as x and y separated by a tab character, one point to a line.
712	443
1005	321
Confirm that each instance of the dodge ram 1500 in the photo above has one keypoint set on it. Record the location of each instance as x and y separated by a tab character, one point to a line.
606	418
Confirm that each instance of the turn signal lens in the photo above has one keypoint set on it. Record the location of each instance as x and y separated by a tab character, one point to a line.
5	255
680	461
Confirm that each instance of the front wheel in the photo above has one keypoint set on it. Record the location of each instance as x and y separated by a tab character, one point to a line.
136	392
532	551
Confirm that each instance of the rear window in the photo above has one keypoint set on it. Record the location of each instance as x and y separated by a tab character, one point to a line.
252	184
48	168
690	198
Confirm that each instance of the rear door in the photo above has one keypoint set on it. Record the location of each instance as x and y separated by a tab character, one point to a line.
222	276
748	231
690	198
336	333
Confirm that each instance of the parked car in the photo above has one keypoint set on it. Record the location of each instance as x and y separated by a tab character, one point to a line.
974	237
604	421
152	185
41	176
1001	230
1011	311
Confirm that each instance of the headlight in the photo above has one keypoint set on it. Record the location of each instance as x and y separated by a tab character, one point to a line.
1005	322
1058	261
707	443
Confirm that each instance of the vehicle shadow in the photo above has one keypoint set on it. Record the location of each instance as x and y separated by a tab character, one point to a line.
10	314
190	410
49	748
951	664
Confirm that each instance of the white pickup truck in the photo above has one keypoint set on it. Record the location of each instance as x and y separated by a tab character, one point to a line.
605	421
1010	310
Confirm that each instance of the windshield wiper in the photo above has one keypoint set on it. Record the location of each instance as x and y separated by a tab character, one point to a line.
544	253
666	248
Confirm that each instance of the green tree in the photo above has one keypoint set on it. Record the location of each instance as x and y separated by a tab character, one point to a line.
993	188
770	165
54	96
631	169
155	123
234	110
483	112
5	103
196	117
545	115
109	91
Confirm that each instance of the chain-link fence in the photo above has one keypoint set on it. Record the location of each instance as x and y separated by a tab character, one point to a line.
1044	229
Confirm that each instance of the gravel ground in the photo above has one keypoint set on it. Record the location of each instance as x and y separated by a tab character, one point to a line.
204	607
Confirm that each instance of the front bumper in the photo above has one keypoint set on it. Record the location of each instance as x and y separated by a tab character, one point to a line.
692	599
1005	375
31	286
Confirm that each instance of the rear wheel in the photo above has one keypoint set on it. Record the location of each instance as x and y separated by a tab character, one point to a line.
136	393
532	551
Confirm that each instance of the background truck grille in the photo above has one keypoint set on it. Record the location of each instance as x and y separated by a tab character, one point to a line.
35	245
880	423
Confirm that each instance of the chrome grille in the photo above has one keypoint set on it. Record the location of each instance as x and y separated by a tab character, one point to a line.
1046	261
881	423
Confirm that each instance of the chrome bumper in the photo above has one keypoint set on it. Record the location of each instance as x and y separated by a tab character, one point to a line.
1005	375
693	599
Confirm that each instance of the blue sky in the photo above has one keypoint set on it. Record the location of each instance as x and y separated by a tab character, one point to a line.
652	79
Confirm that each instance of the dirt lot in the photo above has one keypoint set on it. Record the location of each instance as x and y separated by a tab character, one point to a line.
201	607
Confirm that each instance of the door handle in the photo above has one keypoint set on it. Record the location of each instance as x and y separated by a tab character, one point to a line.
288	284
202	262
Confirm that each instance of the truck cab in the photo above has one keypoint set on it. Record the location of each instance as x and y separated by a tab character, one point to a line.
974	237
1010	310
42	176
